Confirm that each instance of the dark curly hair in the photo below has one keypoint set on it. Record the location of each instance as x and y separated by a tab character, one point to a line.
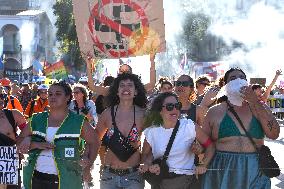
66	87
153	116
140	99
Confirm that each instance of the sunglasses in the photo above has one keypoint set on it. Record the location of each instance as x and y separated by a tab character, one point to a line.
171	106
183	84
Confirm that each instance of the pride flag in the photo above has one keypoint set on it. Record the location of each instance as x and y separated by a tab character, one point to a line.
56	71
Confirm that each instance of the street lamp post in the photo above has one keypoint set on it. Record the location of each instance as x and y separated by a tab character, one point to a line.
21	63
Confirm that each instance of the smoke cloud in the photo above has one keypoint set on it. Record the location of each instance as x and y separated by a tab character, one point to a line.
258	26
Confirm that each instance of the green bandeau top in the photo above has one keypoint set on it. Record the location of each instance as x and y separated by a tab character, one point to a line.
228	128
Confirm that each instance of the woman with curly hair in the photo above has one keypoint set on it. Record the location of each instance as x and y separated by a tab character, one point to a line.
123	123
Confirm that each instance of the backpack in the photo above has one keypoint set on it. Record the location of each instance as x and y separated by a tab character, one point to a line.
11	120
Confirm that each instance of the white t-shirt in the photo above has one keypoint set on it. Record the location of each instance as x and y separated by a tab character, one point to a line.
181	159
45	162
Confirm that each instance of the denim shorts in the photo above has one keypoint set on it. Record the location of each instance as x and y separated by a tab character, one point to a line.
113	181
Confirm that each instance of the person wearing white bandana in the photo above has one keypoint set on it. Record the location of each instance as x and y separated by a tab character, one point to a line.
236	158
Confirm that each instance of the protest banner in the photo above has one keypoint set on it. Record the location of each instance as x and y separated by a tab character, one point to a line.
276	103
56	71
120	28
9	164
15	74
261	81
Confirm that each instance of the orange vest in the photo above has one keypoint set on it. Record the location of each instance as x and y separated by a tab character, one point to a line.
39	106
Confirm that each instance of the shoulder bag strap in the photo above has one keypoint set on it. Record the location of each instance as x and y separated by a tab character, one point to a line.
169	146
231	109
112	116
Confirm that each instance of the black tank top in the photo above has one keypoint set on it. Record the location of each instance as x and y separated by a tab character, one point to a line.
191	112
117	143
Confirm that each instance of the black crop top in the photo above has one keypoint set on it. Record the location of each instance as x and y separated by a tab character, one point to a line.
119	144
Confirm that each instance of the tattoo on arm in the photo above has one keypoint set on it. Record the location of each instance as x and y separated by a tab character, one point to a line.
270	124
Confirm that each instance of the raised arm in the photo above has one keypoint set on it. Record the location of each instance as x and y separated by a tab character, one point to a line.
268	90
150	86
100	90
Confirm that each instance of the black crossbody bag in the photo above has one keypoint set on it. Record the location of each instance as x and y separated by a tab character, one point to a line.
267	163
154	179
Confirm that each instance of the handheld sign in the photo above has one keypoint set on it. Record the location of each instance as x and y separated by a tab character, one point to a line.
120	28
9	164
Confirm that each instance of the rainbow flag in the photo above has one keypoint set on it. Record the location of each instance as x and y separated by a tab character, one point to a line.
56	71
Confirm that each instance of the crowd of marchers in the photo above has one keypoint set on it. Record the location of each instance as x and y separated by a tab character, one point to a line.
198	133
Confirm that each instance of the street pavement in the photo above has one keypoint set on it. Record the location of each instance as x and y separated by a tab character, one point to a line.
277	150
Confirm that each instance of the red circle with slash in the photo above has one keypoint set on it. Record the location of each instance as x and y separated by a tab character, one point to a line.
118	27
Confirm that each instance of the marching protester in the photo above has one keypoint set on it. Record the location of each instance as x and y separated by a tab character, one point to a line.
40	104
165	85
184	88
12	102
10	121
26	95
201	83
160	122
81	105
54	144
123	122
15	90
236	157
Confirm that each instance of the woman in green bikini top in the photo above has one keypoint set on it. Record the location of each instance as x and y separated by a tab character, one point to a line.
235	155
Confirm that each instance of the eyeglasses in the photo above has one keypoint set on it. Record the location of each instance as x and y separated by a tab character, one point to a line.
183	84
171	106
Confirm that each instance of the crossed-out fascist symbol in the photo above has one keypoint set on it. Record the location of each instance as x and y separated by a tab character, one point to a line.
120	29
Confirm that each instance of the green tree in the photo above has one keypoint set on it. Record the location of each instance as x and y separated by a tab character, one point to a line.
200	45
66	34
